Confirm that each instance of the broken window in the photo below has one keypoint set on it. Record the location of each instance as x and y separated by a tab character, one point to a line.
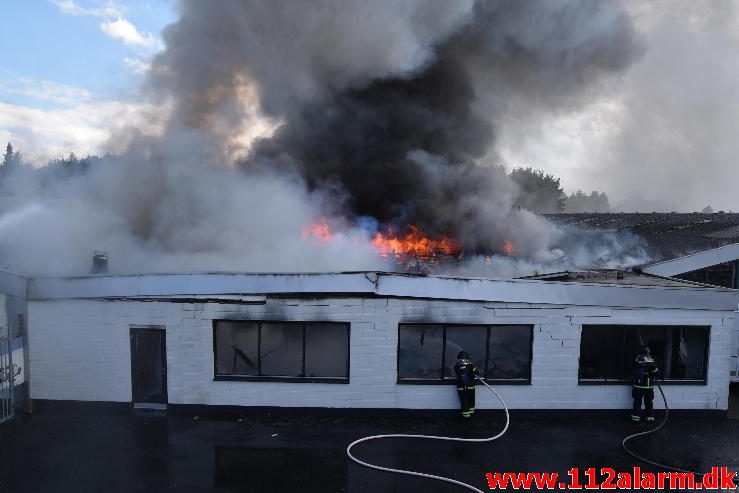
607	352
281	349
509	353
428	352
419	351
237	344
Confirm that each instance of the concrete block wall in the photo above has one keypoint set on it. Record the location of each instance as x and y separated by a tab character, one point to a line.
80	350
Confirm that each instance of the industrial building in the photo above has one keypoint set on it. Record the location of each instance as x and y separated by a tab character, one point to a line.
372	340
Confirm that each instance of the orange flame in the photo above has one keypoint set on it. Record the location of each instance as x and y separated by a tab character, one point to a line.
414	242
320	232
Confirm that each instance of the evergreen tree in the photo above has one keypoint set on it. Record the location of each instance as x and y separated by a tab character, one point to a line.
12	159
9	156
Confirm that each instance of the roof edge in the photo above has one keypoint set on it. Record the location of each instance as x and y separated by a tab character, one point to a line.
384	284
695	261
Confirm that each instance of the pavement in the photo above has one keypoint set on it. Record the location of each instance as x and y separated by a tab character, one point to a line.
107	448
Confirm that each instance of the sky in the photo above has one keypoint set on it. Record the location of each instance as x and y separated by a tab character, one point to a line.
659	137
68	68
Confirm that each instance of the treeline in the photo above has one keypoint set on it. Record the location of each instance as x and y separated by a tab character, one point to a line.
55	170
543	193
537	191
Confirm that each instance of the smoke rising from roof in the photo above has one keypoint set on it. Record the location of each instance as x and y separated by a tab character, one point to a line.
675	149
657	136
363	112
394	105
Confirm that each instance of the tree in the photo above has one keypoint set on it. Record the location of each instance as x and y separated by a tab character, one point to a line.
581	202
9	155
537	191
10	158
71	166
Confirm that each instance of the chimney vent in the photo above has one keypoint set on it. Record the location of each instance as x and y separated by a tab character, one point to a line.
99	263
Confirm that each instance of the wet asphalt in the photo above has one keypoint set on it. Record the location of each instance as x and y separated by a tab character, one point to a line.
103	448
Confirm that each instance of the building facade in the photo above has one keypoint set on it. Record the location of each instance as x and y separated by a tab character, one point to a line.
372	340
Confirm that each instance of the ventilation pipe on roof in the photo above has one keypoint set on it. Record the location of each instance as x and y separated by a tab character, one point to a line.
99	263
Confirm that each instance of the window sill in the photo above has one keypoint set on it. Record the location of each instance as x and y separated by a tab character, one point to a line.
422	381
628	383
244	378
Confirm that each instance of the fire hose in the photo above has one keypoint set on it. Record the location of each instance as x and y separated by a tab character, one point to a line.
500	434
649	432
431	437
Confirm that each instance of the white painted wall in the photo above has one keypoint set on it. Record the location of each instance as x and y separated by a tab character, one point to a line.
80	350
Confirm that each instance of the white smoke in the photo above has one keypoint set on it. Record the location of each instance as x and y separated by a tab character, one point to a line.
174	211
425	82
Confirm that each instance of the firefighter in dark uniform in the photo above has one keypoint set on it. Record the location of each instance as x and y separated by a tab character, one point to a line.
645	372
465	371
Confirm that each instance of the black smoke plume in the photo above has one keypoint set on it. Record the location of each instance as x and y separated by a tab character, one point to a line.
419	147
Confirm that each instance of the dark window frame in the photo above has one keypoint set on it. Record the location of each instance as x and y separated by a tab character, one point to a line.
268	378
703	381
451	381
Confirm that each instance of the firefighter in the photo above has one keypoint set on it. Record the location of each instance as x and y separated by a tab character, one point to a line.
465	370
645	372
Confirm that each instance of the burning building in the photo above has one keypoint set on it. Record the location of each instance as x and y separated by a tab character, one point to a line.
369	340
318	166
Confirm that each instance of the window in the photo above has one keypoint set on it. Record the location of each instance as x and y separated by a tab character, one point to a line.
607	352
427	352
287	351
419	351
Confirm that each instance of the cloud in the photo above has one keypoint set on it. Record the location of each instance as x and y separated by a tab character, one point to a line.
85	128
123	30
107	9
116	26
137	65
42	90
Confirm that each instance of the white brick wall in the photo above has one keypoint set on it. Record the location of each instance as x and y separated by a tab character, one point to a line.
80	350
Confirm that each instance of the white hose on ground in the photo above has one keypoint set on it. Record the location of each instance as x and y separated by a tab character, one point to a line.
649	432
431	437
